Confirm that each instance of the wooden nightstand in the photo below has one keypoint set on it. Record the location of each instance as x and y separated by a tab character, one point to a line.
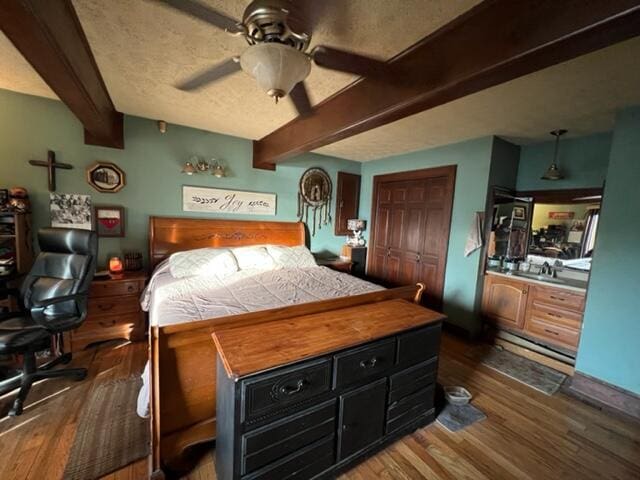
114	311
336	263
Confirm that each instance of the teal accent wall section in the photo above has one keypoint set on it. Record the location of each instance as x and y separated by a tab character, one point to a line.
610	342
583	161
152	161
472	159
505	160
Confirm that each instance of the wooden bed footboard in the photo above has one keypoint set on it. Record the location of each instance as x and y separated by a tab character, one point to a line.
183	372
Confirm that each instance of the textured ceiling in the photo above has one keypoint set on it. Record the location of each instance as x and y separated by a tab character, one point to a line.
143	48
17	75
581	95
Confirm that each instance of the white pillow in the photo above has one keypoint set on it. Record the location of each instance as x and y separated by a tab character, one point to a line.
203	261
253	257
291	257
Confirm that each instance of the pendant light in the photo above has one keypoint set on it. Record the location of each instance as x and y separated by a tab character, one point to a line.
553	172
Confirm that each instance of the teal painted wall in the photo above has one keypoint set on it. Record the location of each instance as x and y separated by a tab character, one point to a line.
610	343
473	163
31	125
505	160
583	160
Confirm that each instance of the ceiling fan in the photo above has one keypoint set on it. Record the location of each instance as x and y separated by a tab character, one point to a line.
277	55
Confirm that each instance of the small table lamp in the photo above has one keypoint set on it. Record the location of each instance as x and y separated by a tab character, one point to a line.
115	265
356	225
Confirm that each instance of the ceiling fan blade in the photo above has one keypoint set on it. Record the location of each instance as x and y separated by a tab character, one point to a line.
209	75
300	99
345	61
202	12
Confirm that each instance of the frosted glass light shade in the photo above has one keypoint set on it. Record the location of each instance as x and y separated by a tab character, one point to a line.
276	67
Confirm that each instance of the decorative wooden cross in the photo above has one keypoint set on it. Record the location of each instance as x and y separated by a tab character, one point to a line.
51	165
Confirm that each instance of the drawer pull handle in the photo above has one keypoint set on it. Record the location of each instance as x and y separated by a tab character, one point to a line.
369	363
551	331
107	324
554	315
291	390
553	297
105	306
130	288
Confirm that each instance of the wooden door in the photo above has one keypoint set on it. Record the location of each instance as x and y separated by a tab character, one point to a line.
347	201
411	220
361	418
504	301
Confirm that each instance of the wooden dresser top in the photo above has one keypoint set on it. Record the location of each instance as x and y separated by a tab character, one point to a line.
256	348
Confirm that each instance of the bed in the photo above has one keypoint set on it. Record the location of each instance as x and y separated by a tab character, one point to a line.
183	314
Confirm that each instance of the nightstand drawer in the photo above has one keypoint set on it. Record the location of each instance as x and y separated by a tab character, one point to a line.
106	327
113	305
112	288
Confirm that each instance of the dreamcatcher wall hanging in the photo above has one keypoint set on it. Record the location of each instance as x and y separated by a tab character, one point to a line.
315	195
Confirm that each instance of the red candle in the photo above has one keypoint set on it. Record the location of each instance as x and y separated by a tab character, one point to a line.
115	265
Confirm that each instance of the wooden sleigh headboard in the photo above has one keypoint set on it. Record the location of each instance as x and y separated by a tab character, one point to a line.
168	235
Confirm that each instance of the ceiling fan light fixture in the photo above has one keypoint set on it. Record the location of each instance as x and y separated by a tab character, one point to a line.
276	67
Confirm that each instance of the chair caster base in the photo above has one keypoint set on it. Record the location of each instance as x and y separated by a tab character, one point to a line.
16	410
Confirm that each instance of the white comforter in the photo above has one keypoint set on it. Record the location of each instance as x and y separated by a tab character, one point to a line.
169	300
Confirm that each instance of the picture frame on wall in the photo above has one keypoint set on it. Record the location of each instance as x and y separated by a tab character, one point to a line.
106	177
109	220
519	213
70	210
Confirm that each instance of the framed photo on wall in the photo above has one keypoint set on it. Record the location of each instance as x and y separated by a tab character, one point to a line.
106	177
109	220
70	210
519	213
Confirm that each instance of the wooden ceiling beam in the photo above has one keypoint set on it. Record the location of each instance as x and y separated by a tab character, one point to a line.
49	35
494	42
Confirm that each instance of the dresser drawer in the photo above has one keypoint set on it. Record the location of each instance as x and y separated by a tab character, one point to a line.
113	305
419	345
268	444
364	363
559	297
412	379
555	315
562	336
112	288
408	409
289	386
304	464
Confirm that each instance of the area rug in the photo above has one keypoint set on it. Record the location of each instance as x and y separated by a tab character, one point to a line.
537	376
457	417
110	435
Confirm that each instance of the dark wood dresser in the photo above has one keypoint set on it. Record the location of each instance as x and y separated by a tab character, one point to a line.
114	311
304	398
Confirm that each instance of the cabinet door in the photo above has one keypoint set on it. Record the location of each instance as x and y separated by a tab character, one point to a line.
361	418
505	301
347	201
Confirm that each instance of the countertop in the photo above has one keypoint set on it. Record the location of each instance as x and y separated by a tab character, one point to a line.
567	283
257	348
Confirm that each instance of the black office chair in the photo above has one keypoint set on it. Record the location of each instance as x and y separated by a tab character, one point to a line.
54	298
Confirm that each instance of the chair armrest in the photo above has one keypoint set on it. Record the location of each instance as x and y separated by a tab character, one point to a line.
37	309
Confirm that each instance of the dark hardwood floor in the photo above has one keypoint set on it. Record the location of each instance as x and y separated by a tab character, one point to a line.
527	435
